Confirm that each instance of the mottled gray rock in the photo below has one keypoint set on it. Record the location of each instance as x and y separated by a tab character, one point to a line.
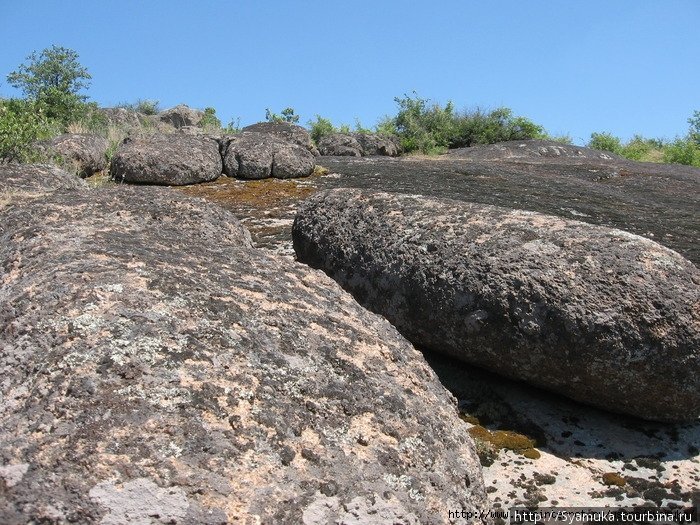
532	148
35	179
156	368
122	117
375	144
82	153
285	131
252	155
340	145
180	116
174	159
600	315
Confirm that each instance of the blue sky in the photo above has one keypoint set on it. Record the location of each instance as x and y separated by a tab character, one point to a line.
623	66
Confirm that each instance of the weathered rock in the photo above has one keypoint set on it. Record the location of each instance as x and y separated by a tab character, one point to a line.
83	153
285	131
533	148
122	117
35	179
174	159
376	144
252	155
600	315
340	145
180	116
154	367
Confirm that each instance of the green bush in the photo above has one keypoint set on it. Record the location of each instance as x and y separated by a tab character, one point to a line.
288	115
320	127
605	142
209	120
54	78
142	105
683	151
22	123
422	126
498	125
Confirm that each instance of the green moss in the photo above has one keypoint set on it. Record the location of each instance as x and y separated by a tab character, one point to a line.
531	453
264	193
504	439
469	418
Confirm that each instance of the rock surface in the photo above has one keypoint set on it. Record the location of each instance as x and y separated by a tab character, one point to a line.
534	148
84	153
253	155
35	179
285	131
600	315
180	116
376	144
175	159
357	145
156	368
339	145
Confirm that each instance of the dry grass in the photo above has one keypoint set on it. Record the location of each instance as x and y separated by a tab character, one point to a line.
13	197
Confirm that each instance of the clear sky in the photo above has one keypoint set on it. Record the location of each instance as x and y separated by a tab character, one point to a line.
623	66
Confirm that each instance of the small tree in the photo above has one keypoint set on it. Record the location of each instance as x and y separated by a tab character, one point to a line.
54	78
694	131
287	115
605	142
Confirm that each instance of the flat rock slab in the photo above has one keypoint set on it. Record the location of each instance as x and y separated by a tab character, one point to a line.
36	178
154	366
173	159
600	315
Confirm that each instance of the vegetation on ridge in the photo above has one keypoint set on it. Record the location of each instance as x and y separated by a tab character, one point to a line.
53	82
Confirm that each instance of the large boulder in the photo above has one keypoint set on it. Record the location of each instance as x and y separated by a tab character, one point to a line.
35	179
154	368
339	145
123	118
285	131
180	116
252	155
83	153
376	144
174	159
598	314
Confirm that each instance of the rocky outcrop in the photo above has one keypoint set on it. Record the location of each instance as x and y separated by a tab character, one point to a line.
180	116
35	179
285	131
123	118
376	144
597	314
531	149
175	159
154	367
83	153
357	145
339	145
252	155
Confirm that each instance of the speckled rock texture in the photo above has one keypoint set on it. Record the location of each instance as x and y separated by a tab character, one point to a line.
533	148
285	131
600	315
154	368
28	179
340	145
180	116
253	155
172	159
375	144
83	153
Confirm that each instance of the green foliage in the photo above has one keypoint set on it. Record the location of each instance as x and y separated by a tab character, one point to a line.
683	151
359	128
142	105
694	131
287	115
234	126
22	122
210	120
422	126
498	125
605	142
320	127
54	78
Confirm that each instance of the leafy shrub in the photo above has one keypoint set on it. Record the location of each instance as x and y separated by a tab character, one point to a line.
22	123
142	105
209	120
605	142
498	125
320	127
683	151
54	78
422	126
287	115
